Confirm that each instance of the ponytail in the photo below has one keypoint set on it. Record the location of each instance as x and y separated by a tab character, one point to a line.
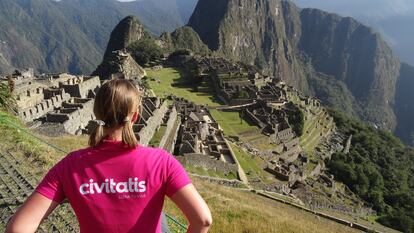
97	133
128	135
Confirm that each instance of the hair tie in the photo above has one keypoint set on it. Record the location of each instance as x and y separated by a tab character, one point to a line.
127	120
99	122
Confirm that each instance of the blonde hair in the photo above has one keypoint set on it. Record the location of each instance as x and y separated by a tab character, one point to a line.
115	101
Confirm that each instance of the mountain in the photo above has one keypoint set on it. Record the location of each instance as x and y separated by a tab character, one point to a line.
339	60
404	105
118	61
71	35
126	32
384	17
184	38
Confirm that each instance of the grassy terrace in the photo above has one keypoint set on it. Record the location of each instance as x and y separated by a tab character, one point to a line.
156	139
204	172
313	130
250	165
169	81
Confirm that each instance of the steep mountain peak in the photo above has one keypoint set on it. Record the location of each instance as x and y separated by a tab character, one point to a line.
305	47
127	31
214	10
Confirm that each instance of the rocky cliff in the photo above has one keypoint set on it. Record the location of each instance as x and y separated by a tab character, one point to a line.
117	62
184	38
125	33
309	49
404	104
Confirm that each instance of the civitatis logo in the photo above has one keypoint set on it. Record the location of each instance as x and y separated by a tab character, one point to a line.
133	185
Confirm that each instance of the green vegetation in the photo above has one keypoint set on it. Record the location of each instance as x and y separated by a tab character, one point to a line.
7	102
170	81
315	127
210	173
380	169
145	51
296	119
185	38
251	165
242	94
231	122
15	139
156	139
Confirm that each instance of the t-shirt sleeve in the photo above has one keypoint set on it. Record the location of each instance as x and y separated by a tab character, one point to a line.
177	177
51	186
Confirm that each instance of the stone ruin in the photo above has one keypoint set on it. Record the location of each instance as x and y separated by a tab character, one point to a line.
119	64
54	103
151	116
201	141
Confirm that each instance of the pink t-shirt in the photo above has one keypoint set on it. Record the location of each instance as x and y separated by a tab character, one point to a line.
113	188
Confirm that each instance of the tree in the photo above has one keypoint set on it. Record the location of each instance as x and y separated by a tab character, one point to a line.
145	51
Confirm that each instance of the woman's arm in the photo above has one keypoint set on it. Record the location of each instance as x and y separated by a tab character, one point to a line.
194	208
31	213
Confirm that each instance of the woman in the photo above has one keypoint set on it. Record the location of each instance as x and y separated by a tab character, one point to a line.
115	185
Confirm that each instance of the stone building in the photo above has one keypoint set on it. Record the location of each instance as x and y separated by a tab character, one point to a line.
60	100
119	64
151	116
201	141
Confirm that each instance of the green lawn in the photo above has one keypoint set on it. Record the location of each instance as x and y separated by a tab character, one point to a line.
171	82
156	139
312	130
231	122
168	77
210	173
250	165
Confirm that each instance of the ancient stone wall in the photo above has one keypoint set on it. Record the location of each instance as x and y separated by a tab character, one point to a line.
73	119
32	113
153	123
200	160
88	86
292	154
30	97
81	87
171	132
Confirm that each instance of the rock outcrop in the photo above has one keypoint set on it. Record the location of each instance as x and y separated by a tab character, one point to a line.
404	104
119	64
125	33
184	38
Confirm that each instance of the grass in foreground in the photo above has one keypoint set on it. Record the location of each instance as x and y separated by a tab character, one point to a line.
241	211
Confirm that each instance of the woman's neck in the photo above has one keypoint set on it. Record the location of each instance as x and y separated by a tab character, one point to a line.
114	134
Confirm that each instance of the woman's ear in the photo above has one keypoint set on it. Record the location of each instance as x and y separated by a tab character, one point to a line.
134	117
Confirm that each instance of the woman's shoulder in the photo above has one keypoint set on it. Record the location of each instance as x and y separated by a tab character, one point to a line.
152	151
76	154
